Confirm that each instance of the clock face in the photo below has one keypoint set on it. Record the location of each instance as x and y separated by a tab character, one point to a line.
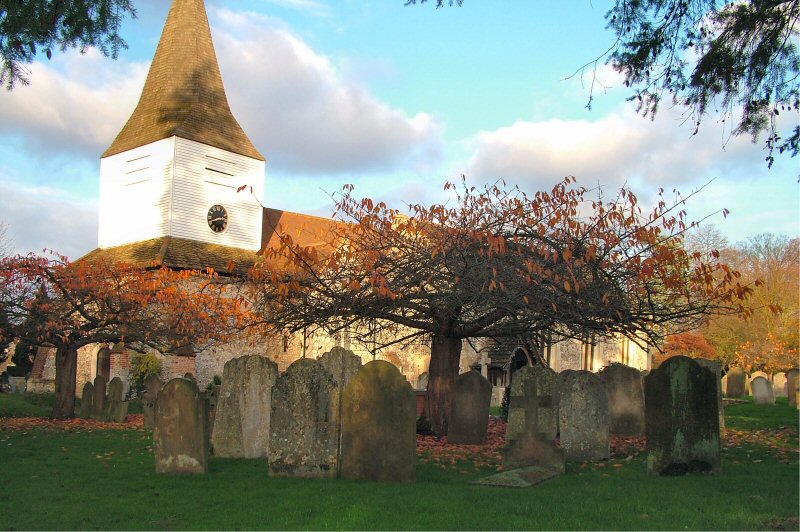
217	218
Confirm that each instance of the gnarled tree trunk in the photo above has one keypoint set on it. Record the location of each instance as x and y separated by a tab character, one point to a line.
442	373
66	372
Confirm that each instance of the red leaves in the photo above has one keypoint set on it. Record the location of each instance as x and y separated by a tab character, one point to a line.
431	449
132	422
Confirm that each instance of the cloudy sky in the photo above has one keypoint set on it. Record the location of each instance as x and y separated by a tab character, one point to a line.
395	100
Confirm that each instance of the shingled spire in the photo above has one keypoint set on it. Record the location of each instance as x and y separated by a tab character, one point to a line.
183	95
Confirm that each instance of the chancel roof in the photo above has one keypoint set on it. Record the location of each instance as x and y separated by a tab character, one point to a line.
183	95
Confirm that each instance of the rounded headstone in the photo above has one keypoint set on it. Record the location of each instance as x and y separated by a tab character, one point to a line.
762	391
625	399
779	384
736	383
99	397
152	387
115	389
469	415
583	416
86	400
180	436
379	425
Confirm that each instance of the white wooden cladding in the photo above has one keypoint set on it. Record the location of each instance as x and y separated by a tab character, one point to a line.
166	188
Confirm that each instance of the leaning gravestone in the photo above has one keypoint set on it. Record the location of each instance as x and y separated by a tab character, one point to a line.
86	400
682	418
378	425
244	407
469	415
716	368
625	399
779	384
304	428
116	409
583	416
99	398
792	383
762	391
152	387
736	383
180	437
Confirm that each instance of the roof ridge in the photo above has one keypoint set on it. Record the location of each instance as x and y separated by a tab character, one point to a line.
183	94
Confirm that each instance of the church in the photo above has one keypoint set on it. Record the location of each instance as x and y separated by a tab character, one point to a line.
168	197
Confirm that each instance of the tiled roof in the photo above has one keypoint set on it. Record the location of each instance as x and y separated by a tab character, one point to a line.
305	230
184	95
178	253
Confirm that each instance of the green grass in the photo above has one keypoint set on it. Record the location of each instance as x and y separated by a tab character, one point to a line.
105	479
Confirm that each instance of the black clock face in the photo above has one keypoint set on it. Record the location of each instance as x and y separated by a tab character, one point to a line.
217	218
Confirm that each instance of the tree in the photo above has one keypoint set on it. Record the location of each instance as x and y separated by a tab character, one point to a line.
30	26
497	264
70	305
691	343
741	58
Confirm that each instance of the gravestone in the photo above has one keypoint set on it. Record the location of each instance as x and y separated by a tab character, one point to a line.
522	405
304	428
422	382
792	383
86	400
180	436
189	376
99	398
736	383
244	406
116	409
547	383
625	399
469	415
682	418
779	384
378	425
342	364
762	391
583	416
716	368
152	387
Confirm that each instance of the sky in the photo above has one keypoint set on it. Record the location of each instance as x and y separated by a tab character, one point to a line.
395	100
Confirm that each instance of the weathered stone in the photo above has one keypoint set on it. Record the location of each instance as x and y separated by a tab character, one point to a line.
152	387
244	407
736	383
378	425
115	389
625	399
342	364
469	415
716	368
793	386
779	384
762	391
304	429
523	405
422	382
547	383
682	418
99	398
180	437
18	384
518	478
86	400
583	416
533	450
189	376
116	411
211	396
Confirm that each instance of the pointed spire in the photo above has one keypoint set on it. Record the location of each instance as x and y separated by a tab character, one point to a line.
183	95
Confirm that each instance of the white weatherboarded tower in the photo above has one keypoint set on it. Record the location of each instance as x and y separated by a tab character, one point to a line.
173	171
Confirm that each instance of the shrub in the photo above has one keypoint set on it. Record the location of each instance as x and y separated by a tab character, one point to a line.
22	359
142	366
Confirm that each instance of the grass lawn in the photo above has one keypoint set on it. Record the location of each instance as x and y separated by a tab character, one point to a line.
91	476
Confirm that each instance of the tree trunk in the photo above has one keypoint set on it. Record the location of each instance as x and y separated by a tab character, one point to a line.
442	373
66	373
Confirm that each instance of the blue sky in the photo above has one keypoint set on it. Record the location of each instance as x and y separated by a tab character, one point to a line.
396	100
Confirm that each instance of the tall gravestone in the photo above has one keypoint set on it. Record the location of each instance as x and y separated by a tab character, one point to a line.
522	405
99	398
792	383
343	365
116	409
152	387
736	383
716	368
583	416
378	425
180	436
762	391
683	434
304	428
779	384
469	415
86	400
625	399
244	407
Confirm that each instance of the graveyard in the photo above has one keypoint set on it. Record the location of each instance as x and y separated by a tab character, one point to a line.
89	474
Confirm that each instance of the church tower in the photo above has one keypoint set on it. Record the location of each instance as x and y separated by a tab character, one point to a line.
173	171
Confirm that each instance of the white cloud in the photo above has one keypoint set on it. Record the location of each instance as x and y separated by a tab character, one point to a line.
313	7
41	218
